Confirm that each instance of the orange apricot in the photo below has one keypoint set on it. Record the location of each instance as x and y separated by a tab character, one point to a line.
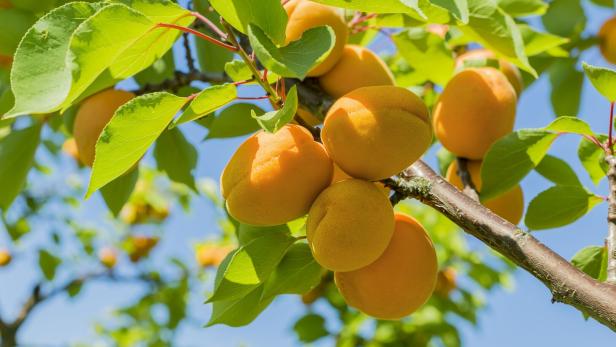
607	37
508	69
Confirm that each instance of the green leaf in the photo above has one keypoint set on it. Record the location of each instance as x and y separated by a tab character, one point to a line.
511	158
559	206
604	3
48	264
297	273
13	25
118	191
234	121
571	125
310	328
557	171
269	15
129	134
593	159
567	84
211	57
523	8
250	266
37	87
274	120
247	233
298	57
236	313
162	69
426	53
603	79
378	6
17	151
536	42
207	101
238	70
177	157
590	260
565	18
445	158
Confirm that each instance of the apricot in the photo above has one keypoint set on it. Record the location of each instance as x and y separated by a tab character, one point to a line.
274	178
304	15
508	69
349	225
308	116
607	40
208	255
376	132
358	67
400	280
108	257
509	205
445	282
92	117
140	246
5	257
69	147
476	108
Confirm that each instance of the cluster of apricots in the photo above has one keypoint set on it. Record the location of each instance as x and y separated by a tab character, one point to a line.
477	108
137	247
384	263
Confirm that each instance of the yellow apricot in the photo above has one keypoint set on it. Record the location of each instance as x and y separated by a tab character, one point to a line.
376	132
607	37
139	246
349	225
108	257
358	67
274	178
509	205
69	147
211	254
476	108
400	280
445	282
5	257
508	69
92	117
304	15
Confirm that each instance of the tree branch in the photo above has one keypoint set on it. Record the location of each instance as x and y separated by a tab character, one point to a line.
611	219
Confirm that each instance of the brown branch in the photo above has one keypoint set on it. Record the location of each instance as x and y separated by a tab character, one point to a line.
611	219
567	284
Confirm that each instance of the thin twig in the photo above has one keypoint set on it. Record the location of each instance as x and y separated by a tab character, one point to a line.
611	219
190	61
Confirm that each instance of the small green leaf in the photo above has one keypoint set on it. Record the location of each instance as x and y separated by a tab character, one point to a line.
236	313
207	101
274	120
310	328
48	264
269	15
234	121
593	159
536	42
17	151
565	18
250	266
559	206
247	233
238	70
566	83
603	79
557	171
379	6
118	191
590	260
523	8
297	273
129	134
177	157
571	125
511	158
297	58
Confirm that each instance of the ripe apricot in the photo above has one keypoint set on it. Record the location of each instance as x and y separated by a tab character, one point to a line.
358	67
508	69
108	257
376	132
400	280
304	15
69	147
92	117
509	205
445	282
211	254
607	37
349	225
476	108
139	246
5	257
274	178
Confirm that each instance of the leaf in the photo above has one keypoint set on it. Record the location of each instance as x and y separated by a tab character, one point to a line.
511	158
269	15
557	171
37	87
536	42
118	191
177	157
297	273
590	260
234	121
378	6
274	120
567	84
17	151
236	313
247	233
48	264
161	70
571	125
238	70
207	101
523	8
559	206
604	3
13	25
593	159
427	53
298	57
310	328
250	266
564	18
129	134
211	57
603	79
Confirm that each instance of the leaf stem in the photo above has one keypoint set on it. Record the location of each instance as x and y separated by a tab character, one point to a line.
210	25
198	34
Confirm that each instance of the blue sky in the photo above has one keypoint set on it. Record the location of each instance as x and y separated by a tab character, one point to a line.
522	317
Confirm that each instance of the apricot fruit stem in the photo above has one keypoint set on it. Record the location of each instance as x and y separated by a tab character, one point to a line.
198	34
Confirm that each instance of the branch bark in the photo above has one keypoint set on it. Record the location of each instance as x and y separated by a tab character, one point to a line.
611	219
